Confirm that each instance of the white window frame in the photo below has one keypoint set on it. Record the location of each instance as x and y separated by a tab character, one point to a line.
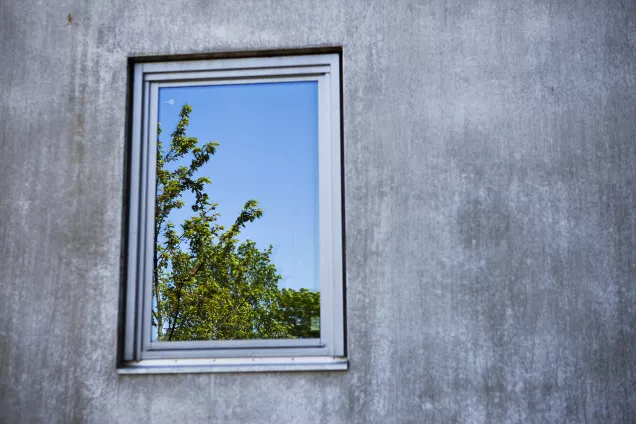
139	353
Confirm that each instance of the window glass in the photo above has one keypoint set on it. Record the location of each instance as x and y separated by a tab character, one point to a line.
236	223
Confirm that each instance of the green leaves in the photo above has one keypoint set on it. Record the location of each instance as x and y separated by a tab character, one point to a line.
300	308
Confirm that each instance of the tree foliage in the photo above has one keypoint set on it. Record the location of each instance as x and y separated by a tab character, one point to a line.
207	285
301	309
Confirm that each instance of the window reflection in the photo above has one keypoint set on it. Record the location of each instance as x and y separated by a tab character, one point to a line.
236	222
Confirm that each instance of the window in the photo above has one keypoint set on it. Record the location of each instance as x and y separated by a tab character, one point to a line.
234	251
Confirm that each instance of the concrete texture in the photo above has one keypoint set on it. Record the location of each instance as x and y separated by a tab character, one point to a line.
490	151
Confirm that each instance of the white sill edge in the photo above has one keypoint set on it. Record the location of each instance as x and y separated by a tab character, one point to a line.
222	365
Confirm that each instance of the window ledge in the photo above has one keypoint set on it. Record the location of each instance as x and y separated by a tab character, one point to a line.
219	365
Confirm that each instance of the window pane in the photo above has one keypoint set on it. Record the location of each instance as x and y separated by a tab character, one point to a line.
237	222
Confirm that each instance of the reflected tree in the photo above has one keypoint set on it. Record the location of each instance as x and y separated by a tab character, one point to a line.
208	285
301	311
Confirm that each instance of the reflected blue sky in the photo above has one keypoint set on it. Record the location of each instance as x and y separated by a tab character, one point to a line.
268	135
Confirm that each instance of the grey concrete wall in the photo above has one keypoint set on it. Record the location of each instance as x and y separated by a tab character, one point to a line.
490	152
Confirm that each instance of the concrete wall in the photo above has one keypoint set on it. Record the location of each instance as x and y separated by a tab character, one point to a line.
490	175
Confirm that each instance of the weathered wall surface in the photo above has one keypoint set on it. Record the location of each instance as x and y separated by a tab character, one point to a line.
490	167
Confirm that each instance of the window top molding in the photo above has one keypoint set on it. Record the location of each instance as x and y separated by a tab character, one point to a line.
252	63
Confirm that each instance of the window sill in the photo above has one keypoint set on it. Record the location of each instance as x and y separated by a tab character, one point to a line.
220	365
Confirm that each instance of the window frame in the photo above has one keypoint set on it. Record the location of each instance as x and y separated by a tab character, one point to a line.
139	353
